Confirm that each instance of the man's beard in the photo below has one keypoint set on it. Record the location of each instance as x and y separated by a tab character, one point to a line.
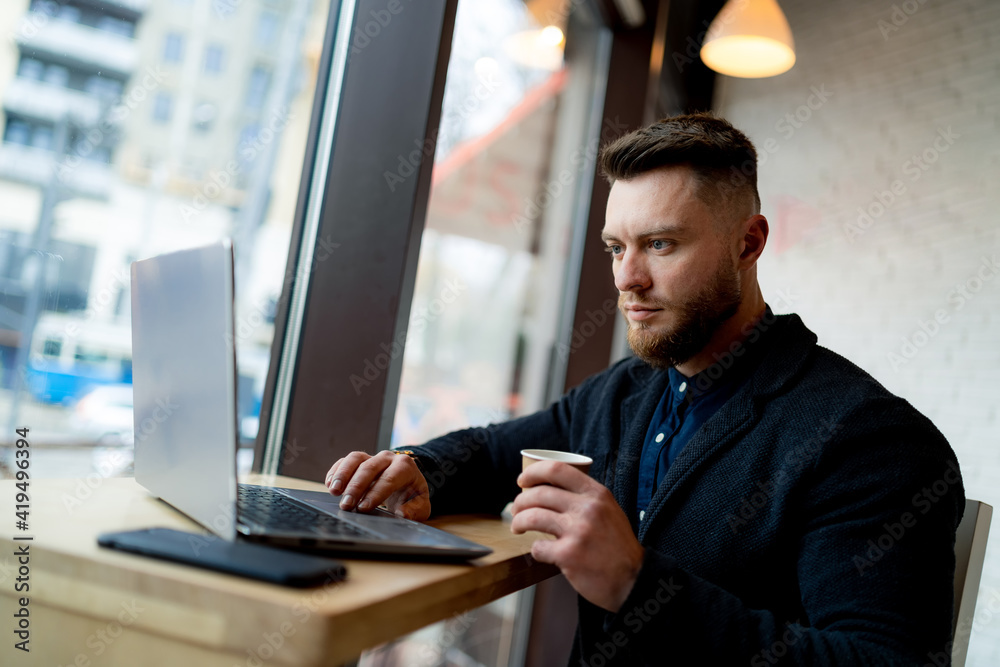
697	321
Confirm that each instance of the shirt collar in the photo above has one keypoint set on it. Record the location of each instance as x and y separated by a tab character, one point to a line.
678	384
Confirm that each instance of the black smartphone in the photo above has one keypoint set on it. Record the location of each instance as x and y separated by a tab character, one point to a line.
245	559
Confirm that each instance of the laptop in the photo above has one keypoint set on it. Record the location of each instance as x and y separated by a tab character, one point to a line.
184	386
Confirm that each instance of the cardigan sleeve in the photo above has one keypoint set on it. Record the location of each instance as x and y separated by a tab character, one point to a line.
475	470
875	567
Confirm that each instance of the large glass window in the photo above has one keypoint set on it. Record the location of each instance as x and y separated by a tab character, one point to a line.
474	297
491	273
122	158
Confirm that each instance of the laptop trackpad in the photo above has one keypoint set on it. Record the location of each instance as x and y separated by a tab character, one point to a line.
379	521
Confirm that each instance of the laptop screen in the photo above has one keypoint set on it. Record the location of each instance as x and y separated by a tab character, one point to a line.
184	382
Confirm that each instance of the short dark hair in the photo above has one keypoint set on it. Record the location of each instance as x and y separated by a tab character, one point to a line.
722	158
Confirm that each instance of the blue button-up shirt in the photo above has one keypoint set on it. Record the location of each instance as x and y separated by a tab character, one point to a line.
687	403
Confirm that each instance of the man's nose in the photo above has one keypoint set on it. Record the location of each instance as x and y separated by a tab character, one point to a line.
632	273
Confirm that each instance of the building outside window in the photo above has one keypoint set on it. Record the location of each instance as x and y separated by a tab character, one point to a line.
119	205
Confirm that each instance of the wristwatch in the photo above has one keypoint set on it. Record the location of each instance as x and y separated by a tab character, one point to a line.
405	452
413	455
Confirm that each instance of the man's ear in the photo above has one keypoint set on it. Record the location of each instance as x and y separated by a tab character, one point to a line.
755	231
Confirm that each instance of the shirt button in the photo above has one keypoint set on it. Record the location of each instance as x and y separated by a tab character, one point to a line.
659	437
683	387
642	515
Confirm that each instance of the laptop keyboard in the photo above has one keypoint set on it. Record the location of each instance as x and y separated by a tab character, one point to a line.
264	506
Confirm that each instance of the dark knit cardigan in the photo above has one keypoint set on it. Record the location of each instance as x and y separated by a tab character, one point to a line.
810	521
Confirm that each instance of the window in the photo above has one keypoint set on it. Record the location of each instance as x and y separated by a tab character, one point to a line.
57	75
47	7
475	237
17	132
90	355
267	28
103	86
173	48
69	13
260	78
52	348
83	147
116	26
100	154
213	58
85	304
162	106
29	68
43	136
246	148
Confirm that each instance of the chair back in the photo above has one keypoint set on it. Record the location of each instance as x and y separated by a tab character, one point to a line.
970	552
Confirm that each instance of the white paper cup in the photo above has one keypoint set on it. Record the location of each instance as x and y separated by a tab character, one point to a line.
578	461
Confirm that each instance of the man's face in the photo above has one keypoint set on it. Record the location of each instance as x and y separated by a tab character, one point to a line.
673	266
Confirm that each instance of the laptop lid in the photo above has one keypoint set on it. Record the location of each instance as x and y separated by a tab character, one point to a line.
184	382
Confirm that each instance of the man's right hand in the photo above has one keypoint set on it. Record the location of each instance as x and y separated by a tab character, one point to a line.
367	481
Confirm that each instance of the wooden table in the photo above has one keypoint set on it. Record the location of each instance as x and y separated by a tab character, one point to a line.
94	606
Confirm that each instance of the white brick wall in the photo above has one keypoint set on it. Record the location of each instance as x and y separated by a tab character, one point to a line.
892	92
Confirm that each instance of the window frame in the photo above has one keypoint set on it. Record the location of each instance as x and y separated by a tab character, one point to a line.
388	90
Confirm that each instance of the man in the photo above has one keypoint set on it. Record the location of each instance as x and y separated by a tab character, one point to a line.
754	498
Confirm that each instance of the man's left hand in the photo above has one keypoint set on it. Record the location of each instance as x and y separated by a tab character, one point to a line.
594	547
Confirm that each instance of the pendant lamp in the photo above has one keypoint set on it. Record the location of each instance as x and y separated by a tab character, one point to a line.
749	39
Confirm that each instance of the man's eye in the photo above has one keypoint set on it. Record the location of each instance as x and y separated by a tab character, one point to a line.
659	245
613	249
